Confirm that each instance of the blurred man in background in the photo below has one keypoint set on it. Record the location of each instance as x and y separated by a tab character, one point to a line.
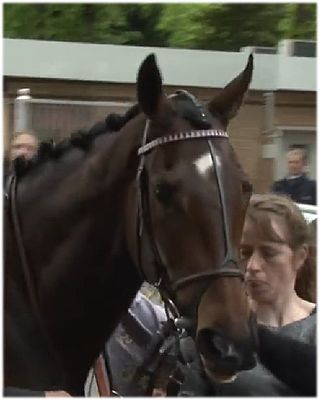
296	184
24	144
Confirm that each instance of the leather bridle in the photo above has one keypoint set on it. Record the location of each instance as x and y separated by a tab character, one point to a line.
12	203
229	267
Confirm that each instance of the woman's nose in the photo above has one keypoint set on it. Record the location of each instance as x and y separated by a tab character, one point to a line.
254	263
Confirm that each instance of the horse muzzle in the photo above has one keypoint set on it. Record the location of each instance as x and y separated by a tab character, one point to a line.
222	357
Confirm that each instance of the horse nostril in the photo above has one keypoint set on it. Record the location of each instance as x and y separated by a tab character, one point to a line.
219	344
226	350
215	346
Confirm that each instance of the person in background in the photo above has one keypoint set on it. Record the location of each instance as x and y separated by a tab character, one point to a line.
274	250
296	184
23	144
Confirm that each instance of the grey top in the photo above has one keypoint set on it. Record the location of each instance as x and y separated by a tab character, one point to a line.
259	381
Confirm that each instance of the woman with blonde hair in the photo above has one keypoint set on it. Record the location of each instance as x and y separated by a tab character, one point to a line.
275	254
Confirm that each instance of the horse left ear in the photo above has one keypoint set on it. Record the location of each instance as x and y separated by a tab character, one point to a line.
227	103
149	88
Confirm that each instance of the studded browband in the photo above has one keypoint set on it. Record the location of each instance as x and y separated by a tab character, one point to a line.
181	136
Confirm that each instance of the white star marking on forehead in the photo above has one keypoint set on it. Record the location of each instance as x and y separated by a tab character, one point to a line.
203	164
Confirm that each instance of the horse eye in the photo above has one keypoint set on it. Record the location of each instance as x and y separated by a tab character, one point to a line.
247	187
164	193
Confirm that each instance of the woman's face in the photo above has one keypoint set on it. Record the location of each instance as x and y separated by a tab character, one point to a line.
271	267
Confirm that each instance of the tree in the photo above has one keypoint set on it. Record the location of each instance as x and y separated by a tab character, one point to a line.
299	22
223	26
212	26
95	23
182	24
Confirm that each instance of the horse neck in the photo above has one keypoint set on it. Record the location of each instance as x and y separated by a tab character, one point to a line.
86	280
115	279
65	194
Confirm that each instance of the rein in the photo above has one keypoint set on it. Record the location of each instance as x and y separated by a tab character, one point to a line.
21	249
99	369
11	198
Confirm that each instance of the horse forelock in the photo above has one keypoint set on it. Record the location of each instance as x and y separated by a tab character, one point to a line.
191	109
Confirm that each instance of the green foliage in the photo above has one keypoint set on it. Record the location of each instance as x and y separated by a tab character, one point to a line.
213	26
232	26
299	22
182	24
95	23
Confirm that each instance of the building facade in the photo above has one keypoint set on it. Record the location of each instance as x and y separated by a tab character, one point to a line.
74	85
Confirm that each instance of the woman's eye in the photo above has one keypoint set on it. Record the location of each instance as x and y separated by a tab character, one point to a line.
269	254
164	193
245	254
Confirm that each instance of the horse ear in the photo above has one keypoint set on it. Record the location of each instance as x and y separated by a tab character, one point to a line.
149	84
228	101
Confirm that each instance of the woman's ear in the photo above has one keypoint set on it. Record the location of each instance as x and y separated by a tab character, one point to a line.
300	256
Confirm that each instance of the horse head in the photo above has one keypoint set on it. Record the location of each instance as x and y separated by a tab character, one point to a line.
190	197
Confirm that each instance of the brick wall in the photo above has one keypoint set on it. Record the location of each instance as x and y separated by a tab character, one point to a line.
291	109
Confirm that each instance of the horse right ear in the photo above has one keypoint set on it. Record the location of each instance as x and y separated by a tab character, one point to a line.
228	101
149	88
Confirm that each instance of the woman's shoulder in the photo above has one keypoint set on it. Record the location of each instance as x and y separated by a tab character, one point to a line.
308	307
303	329
300	310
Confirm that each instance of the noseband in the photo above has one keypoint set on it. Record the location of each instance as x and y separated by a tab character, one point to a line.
229	267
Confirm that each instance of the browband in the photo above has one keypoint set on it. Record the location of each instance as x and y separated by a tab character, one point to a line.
181	136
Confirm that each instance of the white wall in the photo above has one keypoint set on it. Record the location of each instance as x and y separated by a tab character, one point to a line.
113	63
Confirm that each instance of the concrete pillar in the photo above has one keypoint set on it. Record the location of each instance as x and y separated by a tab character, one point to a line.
22	120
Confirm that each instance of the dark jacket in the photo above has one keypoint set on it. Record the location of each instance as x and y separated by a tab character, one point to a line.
286	366
292	361
300	189
16	392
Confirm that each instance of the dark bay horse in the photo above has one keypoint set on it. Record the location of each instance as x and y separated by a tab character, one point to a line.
163	200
